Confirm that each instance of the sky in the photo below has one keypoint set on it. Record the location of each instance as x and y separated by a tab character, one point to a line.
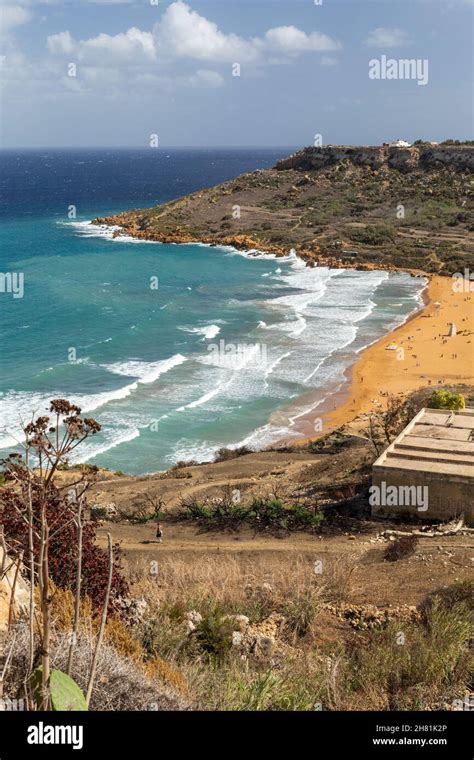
123	73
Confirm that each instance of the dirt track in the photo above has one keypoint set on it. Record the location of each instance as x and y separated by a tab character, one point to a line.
436	563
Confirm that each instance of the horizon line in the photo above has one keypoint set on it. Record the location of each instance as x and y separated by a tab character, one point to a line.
143	147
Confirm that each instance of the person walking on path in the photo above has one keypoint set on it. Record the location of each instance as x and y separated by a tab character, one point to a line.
159	533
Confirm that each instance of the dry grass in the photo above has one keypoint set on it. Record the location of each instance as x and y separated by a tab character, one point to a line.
338	576
160	664
429	669
230	580
125	680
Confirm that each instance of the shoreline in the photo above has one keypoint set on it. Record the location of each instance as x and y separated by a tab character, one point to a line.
242	244
373	367
435	359
334	398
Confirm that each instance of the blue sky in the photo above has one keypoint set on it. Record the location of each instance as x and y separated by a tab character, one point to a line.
167	69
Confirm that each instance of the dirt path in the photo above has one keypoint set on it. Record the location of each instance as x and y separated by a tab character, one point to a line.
436	563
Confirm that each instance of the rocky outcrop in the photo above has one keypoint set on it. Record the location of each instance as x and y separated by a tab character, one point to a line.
7	583
404	159
405	208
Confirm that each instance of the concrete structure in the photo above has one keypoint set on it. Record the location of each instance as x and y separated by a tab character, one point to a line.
428	470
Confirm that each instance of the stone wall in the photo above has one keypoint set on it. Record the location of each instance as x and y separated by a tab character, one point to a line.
448	496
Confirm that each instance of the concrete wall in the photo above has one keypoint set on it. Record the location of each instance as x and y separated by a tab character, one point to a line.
448	496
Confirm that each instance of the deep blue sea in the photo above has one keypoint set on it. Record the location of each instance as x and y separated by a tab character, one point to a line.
175	350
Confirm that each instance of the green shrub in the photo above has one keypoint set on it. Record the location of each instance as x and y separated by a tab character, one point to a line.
446	400
261	513
459	593
372	234
410	665
214	633
198	510
301	610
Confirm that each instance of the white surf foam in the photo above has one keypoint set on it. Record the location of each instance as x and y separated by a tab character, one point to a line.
19	405
234	362
208	331
146	372
115	438
87	229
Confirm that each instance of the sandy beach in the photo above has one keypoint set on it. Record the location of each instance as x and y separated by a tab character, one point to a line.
421	353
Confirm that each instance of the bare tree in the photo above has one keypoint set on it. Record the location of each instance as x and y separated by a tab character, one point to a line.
46	447
77	605
103	621
383	426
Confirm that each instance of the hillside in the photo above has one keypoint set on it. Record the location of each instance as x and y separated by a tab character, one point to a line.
353	206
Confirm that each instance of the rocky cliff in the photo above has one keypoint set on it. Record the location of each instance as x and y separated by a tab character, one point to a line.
457	158
389	207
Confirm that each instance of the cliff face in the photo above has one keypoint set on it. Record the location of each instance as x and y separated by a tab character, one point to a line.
402	159
394	207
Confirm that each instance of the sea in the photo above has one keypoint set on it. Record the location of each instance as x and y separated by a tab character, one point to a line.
176	350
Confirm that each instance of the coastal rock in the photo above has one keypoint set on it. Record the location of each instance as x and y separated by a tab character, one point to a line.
104	511
380	156
19	604
318	197
193	618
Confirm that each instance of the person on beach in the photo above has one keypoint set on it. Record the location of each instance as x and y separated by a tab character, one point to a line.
159	533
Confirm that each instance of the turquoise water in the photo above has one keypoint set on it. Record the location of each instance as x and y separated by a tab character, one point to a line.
219	353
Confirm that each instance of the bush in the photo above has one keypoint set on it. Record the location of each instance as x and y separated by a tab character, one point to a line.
63	545
401	548
446	400
302	609
430	664
214	633
122	682
273	513
224	454
372	234
459	593
197	510
260	514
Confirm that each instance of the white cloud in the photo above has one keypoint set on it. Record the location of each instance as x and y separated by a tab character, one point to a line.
132	46
61	43
206	78
12	16
387	38
181	51
289	39
183	33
